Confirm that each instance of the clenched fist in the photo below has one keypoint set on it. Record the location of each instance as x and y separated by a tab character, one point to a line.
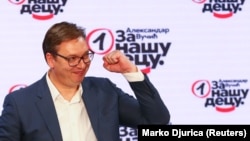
116	61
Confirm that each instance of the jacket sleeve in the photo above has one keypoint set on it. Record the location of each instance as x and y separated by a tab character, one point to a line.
147	108
9	122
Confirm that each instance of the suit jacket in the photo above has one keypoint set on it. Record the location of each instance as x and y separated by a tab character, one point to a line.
29	113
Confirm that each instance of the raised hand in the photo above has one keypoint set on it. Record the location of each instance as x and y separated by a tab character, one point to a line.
116	61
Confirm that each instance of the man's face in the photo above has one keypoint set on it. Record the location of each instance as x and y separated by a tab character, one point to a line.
63	73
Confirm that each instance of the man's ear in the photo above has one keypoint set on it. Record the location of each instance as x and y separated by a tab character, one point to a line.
50	60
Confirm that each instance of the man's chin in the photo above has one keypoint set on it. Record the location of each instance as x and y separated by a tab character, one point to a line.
79	80
78	77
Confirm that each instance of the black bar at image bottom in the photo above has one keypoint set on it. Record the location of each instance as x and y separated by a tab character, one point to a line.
187	132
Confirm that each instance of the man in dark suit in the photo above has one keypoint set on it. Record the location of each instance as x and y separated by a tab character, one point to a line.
64	105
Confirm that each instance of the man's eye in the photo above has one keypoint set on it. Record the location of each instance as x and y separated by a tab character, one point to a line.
73	58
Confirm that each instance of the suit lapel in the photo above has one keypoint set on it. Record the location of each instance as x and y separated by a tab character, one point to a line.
90	99
48	112
45	103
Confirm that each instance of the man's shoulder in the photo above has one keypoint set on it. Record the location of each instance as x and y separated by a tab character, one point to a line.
94	79
29	88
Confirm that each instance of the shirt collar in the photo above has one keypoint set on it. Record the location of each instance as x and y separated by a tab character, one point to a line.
55	93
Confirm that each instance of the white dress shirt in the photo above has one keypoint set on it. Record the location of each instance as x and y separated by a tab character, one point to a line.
72	115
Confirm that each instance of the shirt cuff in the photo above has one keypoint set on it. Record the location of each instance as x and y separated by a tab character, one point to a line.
134	76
